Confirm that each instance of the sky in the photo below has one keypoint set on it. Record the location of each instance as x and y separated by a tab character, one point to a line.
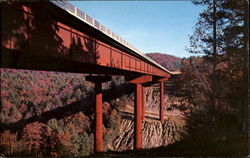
150	26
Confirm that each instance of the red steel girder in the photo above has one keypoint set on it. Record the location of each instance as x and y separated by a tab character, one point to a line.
140	79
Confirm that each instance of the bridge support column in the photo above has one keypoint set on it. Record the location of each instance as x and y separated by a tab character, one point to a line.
98	80
138	117
161	100
143	103
138	107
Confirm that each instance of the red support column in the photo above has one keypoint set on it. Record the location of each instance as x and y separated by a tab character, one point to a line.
98	117
138	80
138	118
161	100
143	103
98	80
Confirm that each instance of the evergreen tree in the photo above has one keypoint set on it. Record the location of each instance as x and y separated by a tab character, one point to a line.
221	35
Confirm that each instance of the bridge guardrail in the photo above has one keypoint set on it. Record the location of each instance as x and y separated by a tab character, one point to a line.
81	14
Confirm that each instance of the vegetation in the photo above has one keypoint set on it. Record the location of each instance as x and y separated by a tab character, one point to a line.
216	83
170	62
51	113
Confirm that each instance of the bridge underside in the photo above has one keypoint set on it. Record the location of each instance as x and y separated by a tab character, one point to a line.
35	39
19	60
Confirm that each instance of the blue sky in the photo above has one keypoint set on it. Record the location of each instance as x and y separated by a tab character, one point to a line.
150	26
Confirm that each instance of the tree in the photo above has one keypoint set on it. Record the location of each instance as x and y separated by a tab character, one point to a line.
36	135
8	142
236	46
221	35
194	83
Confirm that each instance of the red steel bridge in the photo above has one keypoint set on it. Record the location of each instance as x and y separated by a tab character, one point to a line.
57	36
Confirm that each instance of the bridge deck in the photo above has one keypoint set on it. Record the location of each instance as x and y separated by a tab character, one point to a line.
96	25
54	39
43	36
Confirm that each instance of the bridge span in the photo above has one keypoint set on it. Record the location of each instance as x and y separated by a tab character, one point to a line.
57	36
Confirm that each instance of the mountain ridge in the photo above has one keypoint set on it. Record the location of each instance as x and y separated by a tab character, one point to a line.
170	62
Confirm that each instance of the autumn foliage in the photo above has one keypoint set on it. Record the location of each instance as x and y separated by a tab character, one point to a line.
46	114
170	62
216	83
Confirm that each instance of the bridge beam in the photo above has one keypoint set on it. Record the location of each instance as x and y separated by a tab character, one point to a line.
139	95
98	80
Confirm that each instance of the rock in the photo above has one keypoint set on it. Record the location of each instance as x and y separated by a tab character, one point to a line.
155	133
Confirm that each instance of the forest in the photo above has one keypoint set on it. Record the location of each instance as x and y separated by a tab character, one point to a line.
45	113
217	82
170	62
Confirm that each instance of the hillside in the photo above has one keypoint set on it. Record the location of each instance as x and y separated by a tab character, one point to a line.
170	62
51	113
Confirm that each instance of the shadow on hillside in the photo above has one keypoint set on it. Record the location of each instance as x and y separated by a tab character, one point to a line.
30	38
86	105
117	91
